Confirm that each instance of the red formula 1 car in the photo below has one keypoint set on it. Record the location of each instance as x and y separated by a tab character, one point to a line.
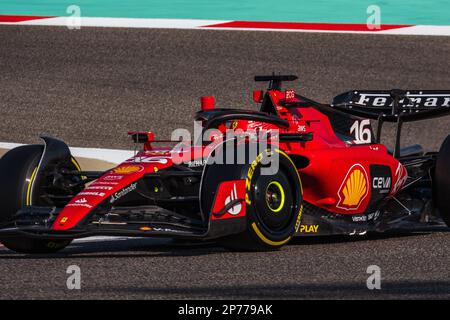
294	168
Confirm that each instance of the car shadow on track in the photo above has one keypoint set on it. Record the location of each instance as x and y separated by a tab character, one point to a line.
131	248
319	240
149	247
343	290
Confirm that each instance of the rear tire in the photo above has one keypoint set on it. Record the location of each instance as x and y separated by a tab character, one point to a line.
441	187
17	173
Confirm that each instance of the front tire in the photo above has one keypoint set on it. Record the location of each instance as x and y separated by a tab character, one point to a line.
18	169
441	187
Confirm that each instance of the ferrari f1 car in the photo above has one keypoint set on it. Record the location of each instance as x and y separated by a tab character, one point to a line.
317	170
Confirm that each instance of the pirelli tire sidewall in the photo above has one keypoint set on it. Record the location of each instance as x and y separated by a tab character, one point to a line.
18	172
256	227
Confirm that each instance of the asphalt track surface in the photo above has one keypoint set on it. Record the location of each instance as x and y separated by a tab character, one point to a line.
91	86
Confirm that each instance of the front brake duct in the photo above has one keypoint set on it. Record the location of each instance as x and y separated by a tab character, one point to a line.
55	151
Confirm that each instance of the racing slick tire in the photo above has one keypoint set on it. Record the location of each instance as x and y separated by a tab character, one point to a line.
273	202
17	173
442	181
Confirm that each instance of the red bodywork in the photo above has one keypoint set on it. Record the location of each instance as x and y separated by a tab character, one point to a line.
331	161
336	175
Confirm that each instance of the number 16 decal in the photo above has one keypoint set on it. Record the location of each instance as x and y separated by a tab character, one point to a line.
362	131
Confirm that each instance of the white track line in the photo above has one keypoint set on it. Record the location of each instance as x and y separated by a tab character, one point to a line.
121	22
209	24
421	31
413	31
109	155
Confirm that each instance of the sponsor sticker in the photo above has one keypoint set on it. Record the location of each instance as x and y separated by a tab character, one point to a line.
401	175
63	220
127	169
167	230
145	159
311	228
79	205
229	193
381	183
417	99
354	188
116	196
289	95
236	209
367	217
156	153
106	183
381	179
196	163
92	193
82	202
95	187
113	177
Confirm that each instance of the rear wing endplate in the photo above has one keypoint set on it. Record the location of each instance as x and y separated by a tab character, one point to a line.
410	105
396	105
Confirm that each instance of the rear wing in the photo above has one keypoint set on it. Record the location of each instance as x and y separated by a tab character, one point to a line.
412	105
394	106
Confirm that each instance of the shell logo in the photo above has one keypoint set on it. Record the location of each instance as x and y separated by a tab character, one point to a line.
127	169
354	188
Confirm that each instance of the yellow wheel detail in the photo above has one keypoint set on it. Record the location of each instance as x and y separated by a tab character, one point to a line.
290	160
275	196
75	163
33	177
30	184
266	240
24	162
274	203
301	186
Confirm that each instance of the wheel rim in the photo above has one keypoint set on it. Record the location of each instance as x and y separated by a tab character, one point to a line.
275	196
274	202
